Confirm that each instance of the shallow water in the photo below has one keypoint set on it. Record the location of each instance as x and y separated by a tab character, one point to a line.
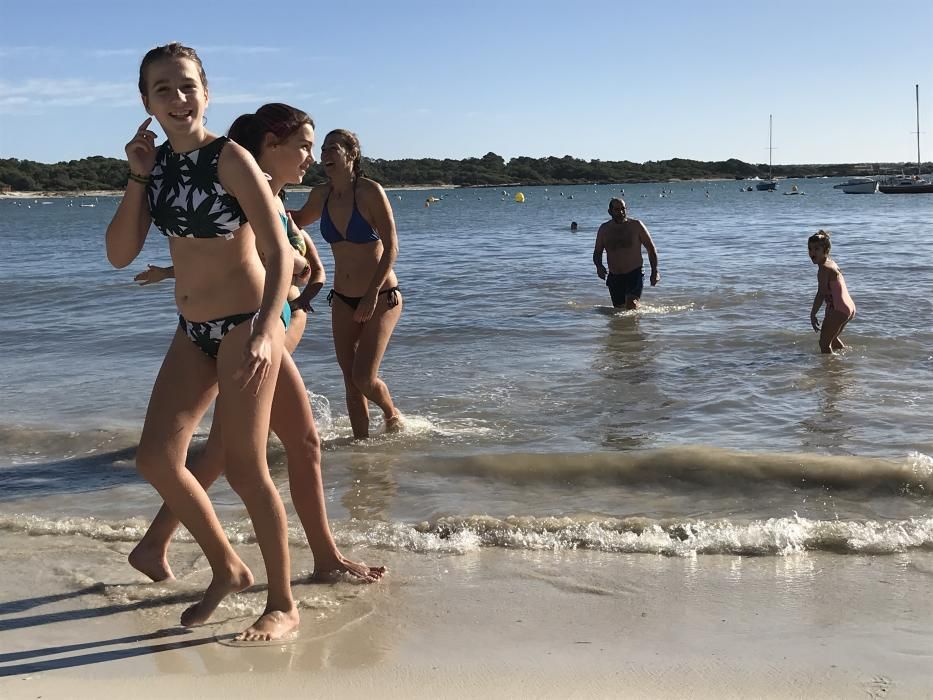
537	415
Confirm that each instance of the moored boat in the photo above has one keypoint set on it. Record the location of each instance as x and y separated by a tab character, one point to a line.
858	185
914	184
768	185
906	185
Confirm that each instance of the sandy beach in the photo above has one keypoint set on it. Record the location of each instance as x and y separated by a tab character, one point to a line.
492	623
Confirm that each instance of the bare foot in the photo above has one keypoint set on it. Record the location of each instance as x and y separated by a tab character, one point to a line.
151	562
273	625
238	579
394	423
328	572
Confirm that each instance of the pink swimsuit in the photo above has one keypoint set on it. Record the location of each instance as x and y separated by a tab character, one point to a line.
838	297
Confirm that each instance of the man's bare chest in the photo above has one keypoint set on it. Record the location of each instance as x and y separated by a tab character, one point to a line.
620	239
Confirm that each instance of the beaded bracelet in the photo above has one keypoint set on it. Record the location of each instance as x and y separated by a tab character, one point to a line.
141	179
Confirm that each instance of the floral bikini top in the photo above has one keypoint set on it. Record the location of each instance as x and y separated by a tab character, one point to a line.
186	199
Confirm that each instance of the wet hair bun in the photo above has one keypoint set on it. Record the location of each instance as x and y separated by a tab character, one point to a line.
820	238
275	118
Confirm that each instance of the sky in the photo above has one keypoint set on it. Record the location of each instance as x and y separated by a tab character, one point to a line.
594	79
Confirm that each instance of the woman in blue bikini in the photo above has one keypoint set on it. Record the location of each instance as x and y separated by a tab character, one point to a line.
357	221
200	190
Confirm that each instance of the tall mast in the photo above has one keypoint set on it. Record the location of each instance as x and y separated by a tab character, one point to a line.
771	149
917	99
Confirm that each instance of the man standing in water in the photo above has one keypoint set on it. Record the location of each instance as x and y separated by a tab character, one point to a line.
622	239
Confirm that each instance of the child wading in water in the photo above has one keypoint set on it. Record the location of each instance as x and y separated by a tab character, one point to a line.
831	288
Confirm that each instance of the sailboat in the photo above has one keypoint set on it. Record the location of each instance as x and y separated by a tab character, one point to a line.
769	184
915	184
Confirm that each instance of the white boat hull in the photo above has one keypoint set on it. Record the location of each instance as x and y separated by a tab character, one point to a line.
858	187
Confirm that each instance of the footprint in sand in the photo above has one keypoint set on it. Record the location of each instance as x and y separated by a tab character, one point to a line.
878	687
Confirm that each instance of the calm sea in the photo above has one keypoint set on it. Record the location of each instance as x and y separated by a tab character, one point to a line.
537	416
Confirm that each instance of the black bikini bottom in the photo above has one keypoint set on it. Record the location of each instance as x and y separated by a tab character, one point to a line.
354	302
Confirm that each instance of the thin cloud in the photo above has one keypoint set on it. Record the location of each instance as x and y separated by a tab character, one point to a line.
12	102
56	88
140	52
14	51
46	51
258	98
238	98
239	49
111	53
238	82
28	51
37	94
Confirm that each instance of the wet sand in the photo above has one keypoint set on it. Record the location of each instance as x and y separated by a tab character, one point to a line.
77	622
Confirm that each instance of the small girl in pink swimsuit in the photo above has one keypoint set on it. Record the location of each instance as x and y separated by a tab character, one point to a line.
831	288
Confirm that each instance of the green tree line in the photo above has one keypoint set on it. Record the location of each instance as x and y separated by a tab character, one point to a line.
99	173
94	173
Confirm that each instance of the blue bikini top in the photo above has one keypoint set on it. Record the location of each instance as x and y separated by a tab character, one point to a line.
358	230
186	199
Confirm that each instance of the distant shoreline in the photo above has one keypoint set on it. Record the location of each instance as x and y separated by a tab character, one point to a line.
70	194
76	194
99	174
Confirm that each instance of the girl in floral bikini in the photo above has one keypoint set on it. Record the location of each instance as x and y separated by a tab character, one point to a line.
210	199
280	138
831	288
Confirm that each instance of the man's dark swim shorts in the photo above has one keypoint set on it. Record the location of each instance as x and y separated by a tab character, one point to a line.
627	285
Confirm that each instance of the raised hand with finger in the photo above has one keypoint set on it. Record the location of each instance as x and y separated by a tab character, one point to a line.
141	152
